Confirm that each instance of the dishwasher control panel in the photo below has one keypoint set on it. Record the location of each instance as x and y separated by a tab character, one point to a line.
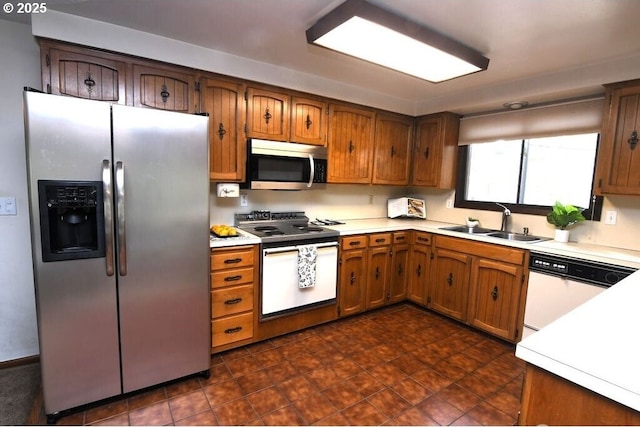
598	273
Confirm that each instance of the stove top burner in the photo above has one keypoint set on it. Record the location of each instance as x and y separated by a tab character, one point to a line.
282	226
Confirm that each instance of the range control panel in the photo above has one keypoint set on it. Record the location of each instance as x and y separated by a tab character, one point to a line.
578	269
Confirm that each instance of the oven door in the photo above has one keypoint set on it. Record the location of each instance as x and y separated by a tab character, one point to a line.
281	293
551	297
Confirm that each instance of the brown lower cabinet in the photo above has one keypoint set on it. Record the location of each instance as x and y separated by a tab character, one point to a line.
548	399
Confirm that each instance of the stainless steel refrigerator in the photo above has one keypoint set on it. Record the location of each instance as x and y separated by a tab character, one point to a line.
119	200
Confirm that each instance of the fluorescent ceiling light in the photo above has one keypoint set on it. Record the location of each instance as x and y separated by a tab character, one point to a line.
359	29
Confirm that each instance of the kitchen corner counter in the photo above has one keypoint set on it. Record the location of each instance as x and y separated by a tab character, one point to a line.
243	238
595	346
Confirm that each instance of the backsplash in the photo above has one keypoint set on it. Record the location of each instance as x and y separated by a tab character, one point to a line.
346	202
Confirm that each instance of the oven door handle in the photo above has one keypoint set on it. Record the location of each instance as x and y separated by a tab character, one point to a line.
312	171
295	248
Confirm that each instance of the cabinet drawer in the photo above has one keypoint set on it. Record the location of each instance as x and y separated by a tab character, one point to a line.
401	237
237	276
221	260
380	239
231	300
231	329
421	238
354	242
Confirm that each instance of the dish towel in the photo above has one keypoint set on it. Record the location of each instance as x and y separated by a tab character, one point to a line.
307	256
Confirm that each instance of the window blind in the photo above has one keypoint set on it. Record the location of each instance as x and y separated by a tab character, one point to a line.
567	118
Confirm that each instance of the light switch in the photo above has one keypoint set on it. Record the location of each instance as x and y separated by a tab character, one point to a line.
8	206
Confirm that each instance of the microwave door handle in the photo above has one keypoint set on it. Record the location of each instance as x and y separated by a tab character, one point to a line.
312	165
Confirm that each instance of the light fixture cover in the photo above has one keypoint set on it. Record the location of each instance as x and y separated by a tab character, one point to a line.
365	31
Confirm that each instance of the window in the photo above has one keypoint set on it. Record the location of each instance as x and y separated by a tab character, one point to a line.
530	175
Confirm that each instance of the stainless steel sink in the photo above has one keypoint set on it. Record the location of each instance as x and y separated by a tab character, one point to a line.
516	236
468	230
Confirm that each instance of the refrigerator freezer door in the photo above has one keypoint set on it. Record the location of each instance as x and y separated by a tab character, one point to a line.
164	296
68	139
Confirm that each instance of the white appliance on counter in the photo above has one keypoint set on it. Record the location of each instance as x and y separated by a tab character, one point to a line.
119	201
406	207
558	284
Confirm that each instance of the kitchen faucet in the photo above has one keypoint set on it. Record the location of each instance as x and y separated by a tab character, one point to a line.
506	213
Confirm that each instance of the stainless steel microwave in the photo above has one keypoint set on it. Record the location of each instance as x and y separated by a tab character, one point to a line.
273	165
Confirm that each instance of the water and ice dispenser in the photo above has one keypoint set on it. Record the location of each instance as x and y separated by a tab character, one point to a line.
71	219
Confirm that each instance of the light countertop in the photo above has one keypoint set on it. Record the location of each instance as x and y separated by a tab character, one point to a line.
596	345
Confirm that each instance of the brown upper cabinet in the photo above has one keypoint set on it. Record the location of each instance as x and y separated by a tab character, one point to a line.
351	134
393	138
224	102
618	170
71	71
309	121
164	89
436	151
267	114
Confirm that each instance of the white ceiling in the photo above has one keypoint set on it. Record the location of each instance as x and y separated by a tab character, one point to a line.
539	50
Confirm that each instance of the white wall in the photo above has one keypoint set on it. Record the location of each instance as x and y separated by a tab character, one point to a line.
20	67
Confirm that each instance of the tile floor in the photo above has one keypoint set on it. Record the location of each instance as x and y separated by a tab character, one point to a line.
400	365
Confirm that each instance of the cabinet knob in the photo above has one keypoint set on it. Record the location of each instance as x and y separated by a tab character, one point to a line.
450	279
308	122
267	116
377	272
164	93
351	147
221	131
89	82
633	141
419	270
494	293
352	279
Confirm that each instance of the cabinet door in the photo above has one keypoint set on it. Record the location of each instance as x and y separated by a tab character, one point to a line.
496	297
353	281
351	133
309	121
449	290
377	283
224	102
436	151
267	114
420	262
163	89
83	75
619	162
394	134
399	275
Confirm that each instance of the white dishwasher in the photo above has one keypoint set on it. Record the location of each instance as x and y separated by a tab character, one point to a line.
558	284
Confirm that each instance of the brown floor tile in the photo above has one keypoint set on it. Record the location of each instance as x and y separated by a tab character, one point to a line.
296	388
184	386
345	368
439	410
281	372
107	410
314	408
329	355
322	378
118	420
206	418
466	420
478	385
286	416
156	414
219	394
505	402
431	379
459	397
387	374
365	384
342	395
449	370
411	391
306	362
188	404
76	419
414	417
267	400
487	414
336	419
236	412
364	413
147	398
268	357
218	374
389	402
243	365
254	381
408	364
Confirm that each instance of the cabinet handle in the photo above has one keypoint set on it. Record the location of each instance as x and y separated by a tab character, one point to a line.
494	293
426	153
419	270
377	272
352	279
221	131
233	330
393	151
308	122
164	93
423	239
633	141
89	82
233	301
400	269
354	243
232	260
380	240
450	279
351	147
232	278
267	116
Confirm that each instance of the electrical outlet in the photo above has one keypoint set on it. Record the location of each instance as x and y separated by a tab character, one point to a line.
449	203
611	217
244	200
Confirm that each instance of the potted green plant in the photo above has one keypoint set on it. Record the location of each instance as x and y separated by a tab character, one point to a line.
563	217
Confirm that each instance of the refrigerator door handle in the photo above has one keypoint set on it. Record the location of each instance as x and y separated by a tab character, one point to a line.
107	189
121	224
